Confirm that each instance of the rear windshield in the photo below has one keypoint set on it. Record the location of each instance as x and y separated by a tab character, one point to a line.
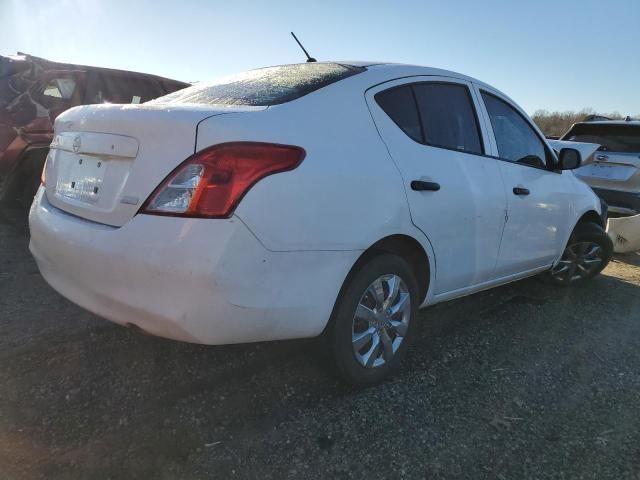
612	138
263	87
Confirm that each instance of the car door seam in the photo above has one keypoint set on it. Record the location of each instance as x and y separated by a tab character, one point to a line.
404	189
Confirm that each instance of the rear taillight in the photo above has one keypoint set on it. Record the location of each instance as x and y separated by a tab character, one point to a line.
210	183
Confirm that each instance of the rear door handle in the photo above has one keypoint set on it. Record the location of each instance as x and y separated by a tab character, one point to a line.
421	185
521	191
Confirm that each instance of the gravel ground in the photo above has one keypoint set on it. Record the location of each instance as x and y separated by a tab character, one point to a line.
524	381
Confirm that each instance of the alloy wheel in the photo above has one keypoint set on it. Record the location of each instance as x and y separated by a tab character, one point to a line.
381	321
579	261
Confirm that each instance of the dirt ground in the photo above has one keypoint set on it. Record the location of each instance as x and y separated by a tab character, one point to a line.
524	381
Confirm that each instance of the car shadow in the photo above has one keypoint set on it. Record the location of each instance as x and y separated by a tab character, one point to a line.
631	258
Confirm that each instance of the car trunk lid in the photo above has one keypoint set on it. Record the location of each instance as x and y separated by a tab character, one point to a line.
616	164
105	160
613	170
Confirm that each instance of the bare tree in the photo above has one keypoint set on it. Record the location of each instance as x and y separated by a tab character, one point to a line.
557	123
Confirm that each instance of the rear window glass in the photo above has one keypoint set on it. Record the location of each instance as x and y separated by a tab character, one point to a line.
118	88
436	114
614	138
448	117
263	87
61	88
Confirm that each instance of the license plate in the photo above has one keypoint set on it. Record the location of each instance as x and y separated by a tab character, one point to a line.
82	180
606	172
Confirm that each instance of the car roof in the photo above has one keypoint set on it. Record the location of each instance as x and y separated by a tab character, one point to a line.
406	70
51	65
610	122
379	72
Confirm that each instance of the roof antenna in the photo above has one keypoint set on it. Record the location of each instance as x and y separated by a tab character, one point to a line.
309	58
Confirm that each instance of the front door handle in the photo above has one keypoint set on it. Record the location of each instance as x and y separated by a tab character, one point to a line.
421	186
602	158
521	191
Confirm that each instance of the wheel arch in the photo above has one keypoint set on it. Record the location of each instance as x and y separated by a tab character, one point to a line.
588	218
407	248
591	216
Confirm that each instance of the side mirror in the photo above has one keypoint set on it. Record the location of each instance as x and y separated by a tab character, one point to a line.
569	159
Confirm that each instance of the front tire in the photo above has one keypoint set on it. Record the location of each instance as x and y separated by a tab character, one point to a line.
587	253
374	320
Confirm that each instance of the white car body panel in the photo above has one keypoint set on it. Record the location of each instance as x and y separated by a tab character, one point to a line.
537	224
467	237
137	145
543	221
274	269
330	182
196	280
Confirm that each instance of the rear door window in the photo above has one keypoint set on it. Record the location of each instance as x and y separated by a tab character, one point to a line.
265	86
613	138
448	117
399	104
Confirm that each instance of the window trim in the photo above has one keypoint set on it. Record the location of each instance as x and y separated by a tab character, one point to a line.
548	151
465	86
415	104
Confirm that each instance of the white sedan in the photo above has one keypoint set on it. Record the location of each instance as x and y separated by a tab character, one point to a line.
294	200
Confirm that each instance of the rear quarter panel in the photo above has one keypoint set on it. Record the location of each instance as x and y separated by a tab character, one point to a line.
346	194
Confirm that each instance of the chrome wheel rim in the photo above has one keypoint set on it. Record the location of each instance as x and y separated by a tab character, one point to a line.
579	261
381	321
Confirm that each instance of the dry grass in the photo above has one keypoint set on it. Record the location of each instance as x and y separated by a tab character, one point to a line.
557	123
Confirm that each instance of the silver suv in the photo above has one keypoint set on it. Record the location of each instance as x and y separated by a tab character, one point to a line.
615	173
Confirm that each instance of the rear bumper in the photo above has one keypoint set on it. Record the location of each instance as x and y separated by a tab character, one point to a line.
625	203
195	280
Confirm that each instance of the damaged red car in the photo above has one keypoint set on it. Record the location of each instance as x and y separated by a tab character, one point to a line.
34	91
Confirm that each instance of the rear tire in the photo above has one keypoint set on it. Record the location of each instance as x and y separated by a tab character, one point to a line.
587	253
18	188
374	320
